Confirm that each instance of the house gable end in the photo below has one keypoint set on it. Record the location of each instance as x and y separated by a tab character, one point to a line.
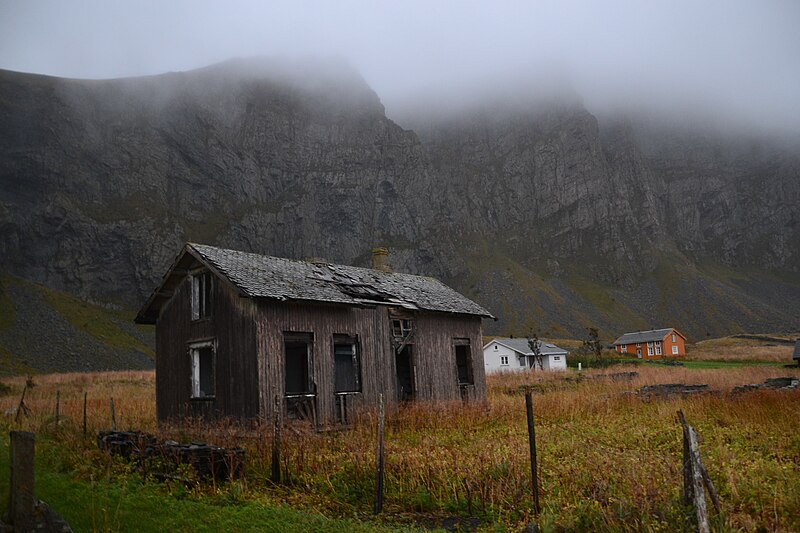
187	261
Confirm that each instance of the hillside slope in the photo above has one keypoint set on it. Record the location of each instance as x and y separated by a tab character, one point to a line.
45	330
549	218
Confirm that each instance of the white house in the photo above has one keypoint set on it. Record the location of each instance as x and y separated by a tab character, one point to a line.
509	355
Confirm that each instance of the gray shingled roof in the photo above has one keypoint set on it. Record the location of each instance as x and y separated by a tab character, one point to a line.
796	350
520	346
261	276
643	336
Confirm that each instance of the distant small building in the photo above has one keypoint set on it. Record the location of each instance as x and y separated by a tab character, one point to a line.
652	344
512	355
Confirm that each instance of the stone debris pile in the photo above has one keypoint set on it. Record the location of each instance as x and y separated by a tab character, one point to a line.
210	462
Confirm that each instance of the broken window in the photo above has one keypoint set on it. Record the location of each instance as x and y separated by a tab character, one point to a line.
201	295
463	361
347	364
202	355
402	327
298	363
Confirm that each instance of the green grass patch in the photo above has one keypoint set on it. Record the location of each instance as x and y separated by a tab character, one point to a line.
727	364
6	306
143	507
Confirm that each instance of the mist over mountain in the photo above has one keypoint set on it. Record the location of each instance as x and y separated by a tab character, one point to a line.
552	217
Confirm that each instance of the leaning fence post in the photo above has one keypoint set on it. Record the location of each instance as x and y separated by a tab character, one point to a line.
532	442
113	416
379	459
688	493
697	485
22	502
276	441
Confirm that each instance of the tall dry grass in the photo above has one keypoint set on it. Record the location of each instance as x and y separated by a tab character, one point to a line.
609	460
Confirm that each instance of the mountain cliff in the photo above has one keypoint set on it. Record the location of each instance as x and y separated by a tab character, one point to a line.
552	219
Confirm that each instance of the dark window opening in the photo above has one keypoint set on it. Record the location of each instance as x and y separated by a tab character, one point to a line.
298	365
404	370
202	370
464	364
347	364
201	295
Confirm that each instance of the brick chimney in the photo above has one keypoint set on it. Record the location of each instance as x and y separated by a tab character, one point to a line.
380	259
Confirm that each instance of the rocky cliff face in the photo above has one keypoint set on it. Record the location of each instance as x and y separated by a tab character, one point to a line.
547	217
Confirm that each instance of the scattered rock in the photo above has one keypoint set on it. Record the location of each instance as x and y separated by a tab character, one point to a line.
672	389
787	383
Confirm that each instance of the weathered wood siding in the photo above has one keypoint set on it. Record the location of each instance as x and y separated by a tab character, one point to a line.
249	354
433	353
435	356
371	326
232	327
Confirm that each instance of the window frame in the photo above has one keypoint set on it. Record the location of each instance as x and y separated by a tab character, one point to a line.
649	349
461	342
503	360
297	338
658	347
202	291
353	341
675	350
195	369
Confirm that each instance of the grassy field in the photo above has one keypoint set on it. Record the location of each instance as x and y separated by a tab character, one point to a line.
609	461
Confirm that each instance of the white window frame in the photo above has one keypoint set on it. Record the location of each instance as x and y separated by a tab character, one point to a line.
649	349
556	358
623	348
194	355
503	360
675	350
674	338
658	347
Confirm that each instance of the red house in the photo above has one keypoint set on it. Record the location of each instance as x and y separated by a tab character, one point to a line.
652	344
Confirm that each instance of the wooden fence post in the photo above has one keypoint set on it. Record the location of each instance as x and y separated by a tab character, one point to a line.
688	493
276	441
84	413
113	417
58	406
22	502
697	484
532	442
695	477
379	459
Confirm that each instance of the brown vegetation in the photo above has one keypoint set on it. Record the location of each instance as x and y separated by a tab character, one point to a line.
608	459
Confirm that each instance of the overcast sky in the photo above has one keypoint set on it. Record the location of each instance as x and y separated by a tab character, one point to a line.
738	56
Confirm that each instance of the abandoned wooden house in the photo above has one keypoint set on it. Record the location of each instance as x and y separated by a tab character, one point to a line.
239	333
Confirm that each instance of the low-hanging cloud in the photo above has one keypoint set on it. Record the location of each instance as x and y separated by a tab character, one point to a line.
737	57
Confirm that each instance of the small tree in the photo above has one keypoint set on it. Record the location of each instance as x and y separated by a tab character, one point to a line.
533	344
592	343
